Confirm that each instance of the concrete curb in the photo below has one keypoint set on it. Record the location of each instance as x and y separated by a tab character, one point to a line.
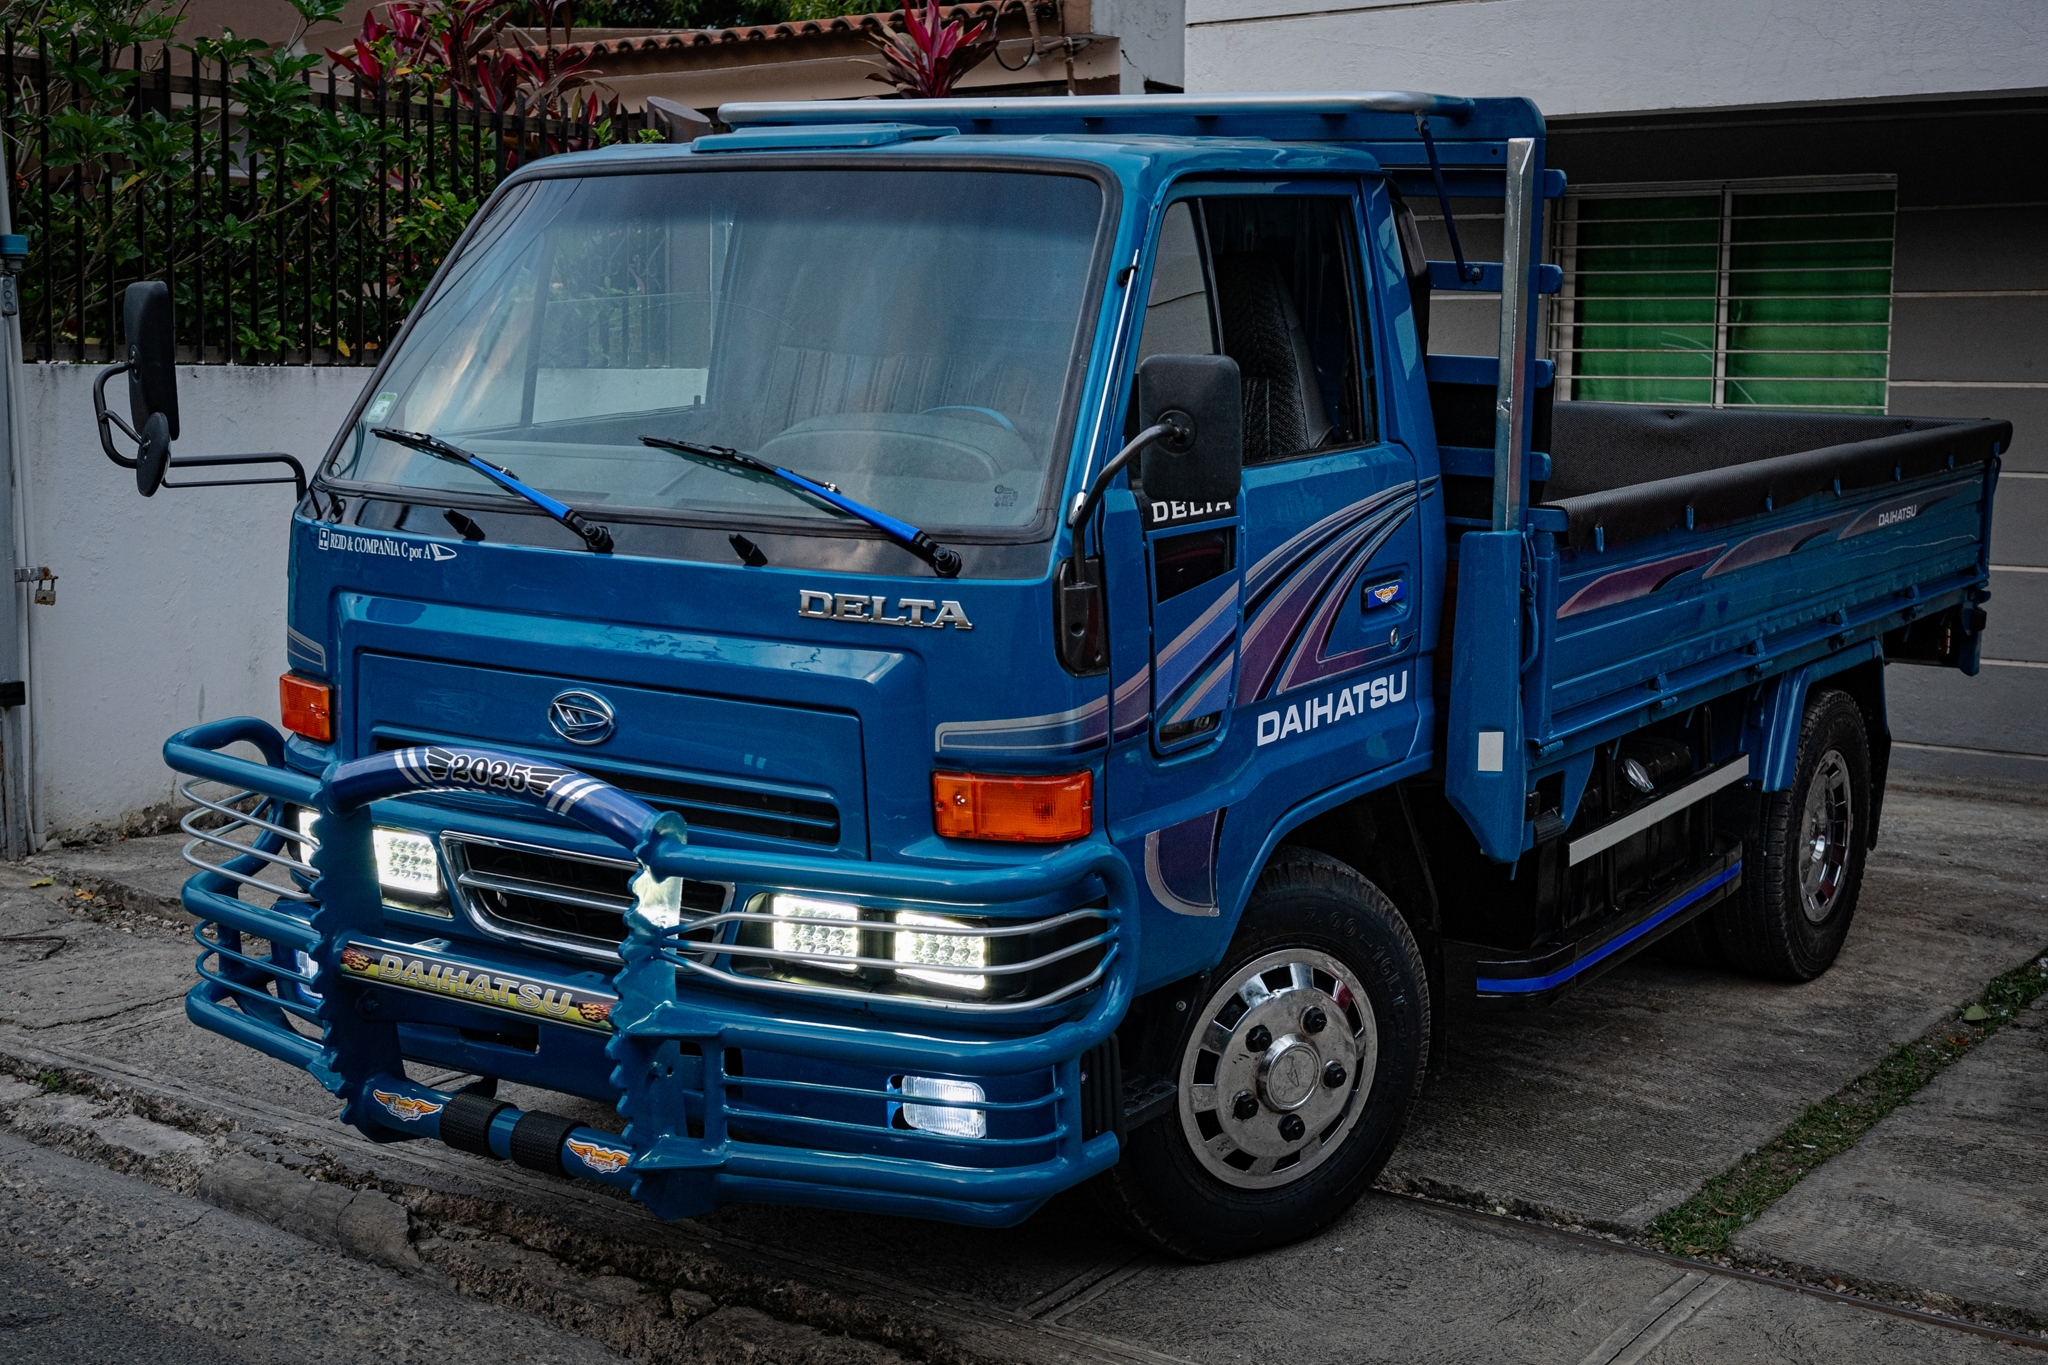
362	1223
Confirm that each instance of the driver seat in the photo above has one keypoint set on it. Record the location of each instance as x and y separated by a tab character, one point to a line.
1262	332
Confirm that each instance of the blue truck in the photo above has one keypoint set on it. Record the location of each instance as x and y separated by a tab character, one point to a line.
925	653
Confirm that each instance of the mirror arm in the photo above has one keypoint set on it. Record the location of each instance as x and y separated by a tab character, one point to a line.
1084	504
108	420
104	417
297	479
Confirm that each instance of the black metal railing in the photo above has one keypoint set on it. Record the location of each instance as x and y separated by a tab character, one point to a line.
295	219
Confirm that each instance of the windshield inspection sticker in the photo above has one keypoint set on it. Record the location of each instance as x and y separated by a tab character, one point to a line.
1316	712
351	542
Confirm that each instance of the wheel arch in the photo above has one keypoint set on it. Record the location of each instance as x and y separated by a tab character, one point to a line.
1859	674
1376	836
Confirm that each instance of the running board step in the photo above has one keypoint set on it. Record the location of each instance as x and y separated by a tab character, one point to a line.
1540	978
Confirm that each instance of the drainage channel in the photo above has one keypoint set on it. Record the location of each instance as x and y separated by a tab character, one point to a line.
1700	1267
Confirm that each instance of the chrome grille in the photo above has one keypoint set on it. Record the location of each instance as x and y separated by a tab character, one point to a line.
705	803
576	901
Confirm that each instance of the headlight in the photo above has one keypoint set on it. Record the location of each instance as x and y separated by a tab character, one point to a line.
953	959
970	1123
406	863
818	942
307	818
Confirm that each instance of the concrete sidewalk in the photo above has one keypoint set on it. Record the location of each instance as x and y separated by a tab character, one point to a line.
1948	1194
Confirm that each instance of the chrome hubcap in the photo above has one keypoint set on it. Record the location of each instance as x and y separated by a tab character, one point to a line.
1829	825
1278	1069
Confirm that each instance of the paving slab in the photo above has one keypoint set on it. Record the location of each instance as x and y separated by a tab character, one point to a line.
1948	1194
1397	1282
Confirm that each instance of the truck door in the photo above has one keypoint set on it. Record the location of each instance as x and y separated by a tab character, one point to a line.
1278	626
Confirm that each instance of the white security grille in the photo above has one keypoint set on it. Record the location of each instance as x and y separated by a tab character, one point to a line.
1731	295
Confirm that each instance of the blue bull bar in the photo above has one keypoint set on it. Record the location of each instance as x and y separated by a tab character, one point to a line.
699	1132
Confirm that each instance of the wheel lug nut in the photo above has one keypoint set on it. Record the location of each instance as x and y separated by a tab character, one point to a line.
1244	1106
1291	1128
1314	1019
1259	1039
1334	1074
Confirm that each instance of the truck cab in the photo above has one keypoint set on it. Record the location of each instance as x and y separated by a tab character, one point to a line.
927	653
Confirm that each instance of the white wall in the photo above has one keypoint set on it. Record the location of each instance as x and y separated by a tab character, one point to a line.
1592	56
1150	36
170	610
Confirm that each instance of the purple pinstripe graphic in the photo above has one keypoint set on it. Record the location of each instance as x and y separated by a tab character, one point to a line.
1277	622
1774	544
1893	513
1285	557
1640	581
1209	692
1133	705
1209	635
1311	661
1058	732
1627	584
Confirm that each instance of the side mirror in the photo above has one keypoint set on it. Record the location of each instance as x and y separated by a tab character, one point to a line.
1195	472
152	370
154	455
152	356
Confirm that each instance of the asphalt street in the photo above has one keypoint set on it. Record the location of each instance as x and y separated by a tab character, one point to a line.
150	1177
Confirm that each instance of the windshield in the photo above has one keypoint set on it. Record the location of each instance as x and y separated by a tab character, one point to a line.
903	335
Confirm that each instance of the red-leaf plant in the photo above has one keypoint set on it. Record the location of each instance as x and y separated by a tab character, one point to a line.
456	44
931	55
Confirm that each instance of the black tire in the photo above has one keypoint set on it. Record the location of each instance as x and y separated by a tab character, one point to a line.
1803	864
1323	921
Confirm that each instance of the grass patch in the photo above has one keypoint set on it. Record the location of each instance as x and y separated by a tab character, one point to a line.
54	1082
1702	1225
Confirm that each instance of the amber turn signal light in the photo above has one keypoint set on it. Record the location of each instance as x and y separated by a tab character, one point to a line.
1044	810
308	707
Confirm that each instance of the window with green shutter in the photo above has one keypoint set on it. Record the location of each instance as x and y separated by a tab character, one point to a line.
1728	296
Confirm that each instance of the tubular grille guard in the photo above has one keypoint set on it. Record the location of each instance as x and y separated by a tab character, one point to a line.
1034	1142
252	994
693	957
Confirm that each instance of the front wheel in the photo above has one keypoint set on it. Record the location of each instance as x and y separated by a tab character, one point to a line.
1294	1077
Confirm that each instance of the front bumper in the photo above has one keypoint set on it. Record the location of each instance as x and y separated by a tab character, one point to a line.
730	1090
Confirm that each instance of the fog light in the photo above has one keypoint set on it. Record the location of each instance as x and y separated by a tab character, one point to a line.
968	1123
817	941
961	955
406	862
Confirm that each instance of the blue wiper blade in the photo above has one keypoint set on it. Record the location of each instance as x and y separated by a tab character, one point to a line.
598	538
945	563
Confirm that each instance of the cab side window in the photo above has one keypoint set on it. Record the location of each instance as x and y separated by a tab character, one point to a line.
1281	297
1178	316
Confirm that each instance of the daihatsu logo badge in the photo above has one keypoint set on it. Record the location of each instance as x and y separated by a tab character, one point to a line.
582	717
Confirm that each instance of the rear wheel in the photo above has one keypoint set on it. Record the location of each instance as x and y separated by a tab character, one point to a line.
1294	1076
1803	866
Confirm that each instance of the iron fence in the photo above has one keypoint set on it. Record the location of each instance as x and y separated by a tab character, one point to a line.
296	219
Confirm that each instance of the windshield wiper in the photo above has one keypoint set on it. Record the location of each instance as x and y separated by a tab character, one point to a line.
945	563
598	538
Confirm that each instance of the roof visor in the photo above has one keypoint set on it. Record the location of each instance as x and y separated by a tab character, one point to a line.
1066	107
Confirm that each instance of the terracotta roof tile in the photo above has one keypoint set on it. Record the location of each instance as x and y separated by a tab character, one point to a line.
803	28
